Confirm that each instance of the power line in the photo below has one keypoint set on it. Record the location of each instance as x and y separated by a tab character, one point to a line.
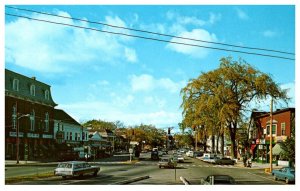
149	38
150	32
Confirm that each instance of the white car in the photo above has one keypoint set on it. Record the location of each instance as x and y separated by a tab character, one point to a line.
190	154
75	168
180	158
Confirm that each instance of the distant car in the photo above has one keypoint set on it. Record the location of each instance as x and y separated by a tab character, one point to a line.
190	154
286	173
167	163
180	158
154	155
75	168
197	154
223	160
219	179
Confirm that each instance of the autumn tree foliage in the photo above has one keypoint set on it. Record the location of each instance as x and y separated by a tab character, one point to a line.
216	101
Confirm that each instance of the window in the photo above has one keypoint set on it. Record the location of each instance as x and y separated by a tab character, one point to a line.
32	121
16	84
83	135
47	94
14	117
71	136
75	136
32	90
47	122
274	126
67	136
282	128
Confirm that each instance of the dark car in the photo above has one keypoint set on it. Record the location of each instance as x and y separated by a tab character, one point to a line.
286	173
220	179
154	155
224	160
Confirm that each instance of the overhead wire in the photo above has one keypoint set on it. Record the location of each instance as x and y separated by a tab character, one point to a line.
150	32
148	38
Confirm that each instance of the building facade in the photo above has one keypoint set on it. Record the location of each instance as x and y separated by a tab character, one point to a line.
283	121
29	114
68	131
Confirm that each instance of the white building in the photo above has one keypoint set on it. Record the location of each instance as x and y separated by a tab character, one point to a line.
68	131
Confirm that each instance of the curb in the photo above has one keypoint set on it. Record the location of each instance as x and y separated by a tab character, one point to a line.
131	180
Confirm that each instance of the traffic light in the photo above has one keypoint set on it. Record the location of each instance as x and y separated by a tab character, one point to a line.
169	130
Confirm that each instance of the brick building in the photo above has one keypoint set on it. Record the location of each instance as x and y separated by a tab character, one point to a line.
29	108
283	121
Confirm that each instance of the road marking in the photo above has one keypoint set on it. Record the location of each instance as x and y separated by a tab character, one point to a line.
265	178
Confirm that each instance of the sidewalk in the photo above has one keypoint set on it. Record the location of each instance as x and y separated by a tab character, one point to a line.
256	165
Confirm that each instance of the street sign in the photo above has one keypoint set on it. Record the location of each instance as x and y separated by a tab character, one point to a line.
130	151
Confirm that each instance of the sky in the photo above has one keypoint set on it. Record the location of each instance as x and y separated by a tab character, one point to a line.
99	75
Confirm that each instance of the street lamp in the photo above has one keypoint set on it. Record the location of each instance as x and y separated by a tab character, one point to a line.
18	128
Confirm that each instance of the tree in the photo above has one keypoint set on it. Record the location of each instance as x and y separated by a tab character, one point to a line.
225	93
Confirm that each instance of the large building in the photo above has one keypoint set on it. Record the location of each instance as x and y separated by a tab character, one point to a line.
282	124
29	114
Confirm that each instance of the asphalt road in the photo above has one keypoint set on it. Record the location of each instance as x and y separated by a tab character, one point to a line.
192	169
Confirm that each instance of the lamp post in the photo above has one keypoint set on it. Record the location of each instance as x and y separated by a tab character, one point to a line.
18	141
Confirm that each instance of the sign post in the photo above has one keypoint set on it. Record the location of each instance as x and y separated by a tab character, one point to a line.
130	153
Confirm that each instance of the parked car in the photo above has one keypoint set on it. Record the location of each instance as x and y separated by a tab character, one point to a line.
167	163
218	179
223	160
286	173
75	168
190	153
197	154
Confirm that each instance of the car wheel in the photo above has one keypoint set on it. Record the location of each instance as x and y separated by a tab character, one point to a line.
275	178
287	180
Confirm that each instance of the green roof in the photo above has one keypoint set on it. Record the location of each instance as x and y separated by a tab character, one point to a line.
23	91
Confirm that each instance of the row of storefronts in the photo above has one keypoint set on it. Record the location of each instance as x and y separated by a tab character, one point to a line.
36	130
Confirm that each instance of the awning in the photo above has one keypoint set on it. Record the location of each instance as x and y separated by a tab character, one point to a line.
276	150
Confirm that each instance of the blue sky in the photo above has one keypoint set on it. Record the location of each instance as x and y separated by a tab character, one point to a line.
96	75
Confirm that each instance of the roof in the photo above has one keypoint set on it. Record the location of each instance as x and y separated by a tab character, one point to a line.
64	117
292	109
24	88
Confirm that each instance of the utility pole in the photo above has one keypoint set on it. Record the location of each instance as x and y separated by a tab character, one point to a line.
271	133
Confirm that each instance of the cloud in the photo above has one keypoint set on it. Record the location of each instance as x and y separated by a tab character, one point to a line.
193	51
241	14
82	111
54	48
213	18
147	83
130	55
269	33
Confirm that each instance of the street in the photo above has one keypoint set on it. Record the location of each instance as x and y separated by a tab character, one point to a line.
146	172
